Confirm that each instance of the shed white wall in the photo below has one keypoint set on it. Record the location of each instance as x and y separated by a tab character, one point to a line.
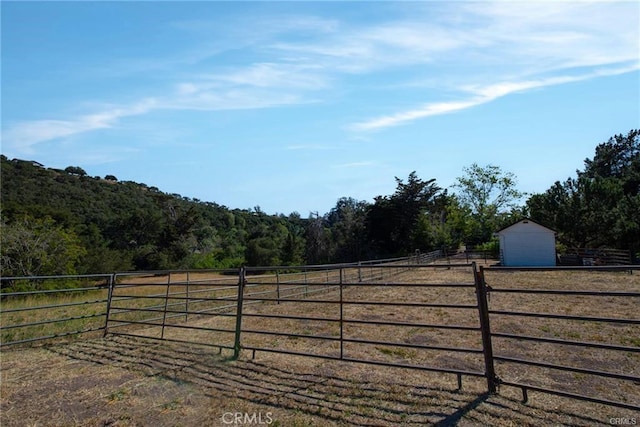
527	244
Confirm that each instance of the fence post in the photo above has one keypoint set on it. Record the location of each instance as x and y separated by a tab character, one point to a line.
278	286
341	319
112	281
241	283
485	326
166	305
186	301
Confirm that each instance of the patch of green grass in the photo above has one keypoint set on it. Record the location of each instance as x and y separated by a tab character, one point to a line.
633	341
405	353
117	396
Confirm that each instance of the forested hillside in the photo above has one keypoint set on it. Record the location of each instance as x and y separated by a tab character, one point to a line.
109	225
64	221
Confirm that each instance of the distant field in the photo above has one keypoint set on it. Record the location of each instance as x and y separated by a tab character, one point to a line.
126	381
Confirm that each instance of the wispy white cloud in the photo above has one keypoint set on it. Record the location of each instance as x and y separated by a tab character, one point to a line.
532	39
478	95
22	136
415	114
492	49
291	75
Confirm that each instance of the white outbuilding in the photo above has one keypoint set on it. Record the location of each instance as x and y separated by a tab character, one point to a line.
527	244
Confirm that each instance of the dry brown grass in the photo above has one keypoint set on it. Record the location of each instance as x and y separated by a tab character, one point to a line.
628	335
129	381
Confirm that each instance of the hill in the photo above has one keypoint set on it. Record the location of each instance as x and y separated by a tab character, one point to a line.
112	225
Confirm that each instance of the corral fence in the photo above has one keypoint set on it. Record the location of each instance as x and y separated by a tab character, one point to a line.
417	312
567	331
48	307
595	256
36	315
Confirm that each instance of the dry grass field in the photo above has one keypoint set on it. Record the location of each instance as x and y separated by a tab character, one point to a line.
139	381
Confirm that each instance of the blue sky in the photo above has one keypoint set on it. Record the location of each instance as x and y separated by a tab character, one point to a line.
291	105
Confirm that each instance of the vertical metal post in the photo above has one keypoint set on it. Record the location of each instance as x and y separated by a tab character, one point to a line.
166	304
241	283
278	287
485	326
359	272
186	301
112	281
341	319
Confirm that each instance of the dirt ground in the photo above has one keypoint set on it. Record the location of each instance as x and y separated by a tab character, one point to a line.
125	381
138	381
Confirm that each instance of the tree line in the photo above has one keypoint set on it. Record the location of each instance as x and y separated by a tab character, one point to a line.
66	222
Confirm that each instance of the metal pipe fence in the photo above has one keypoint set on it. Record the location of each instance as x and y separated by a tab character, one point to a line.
550	341
397	312
38	315
337	325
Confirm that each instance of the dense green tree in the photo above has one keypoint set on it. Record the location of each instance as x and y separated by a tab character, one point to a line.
490	194
75	170
448	225
262	251
294	245
108	225
347	221
38	247
394	222
601	206
318	248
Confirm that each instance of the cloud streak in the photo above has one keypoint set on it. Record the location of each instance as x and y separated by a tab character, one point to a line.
22	136
479	95
472	54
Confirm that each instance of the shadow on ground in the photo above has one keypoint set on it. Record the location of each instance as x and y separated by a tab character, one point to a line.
326	393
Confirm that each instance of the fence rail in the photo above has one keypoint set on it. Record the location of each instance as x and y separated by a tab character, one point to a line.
591	303
592	256
32	316
344	328
339	312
